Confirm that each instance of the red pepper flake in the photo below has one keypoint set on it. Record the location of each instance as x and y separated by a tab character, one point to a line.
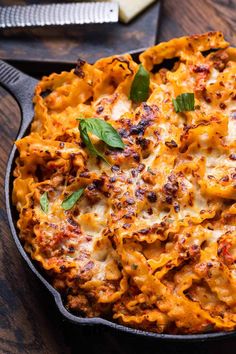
71	249
207	99
144	231
171	188
88	266
222	105
225	179
232	157
78	70
115	168
112	179
130	201
85	174
143	142
136	157
168	265
169	199
126	226
134	173
176	207
129	215
171	144
211	177
152	197
202	68
100	109
141	167
139	193
233	115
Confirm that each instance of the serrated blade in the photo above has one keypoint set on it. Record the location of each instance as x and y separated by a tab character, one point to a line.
58	14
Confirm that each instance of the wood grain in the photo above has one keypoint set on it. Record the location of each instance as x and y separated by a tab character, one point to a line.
89	42
198	16
29	322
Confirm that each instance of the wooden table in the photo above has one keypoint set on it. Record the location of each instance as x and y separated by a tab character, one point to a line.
29	322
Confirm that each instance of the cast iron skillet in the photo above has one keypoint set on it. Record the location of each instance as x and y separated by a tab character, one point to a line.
21	86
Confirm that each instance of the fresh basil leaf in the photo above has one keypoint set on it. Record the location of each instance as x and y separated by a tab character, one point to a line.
139	91
89	144
150	171
103	131
184	102
70	201
44	203
134	266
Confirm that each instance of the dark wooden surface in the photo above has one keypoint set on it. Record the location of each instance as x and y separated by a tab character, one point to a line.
29	322
67	43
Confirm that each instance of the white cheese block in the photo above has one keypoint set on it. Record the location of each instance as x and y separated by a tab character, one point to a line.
131	8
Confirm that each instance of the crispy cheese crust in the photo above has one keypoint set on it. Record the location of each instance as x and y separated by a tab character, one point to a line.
152	241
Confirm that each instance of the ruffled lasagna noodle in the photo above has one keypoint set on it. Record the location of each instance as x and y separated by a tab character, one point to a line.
151	243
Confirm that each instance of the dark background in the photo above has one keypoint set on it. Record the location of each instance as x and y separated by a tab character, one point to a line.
29	321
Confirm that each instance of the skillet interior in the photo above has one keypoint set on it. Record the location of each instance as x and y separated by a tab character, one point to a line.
23	94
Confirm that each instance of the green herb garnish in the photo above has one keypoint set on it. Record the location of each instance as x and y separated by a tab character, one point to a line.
134	266
140	86
150	171
184	102
103	131
70	201
44	203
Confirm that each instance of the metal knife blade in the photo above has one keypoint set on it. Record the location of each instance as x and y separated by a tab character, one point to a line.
58	14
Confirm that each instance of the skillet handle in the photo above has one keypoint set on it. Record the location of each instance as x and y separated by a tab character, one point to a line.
21	86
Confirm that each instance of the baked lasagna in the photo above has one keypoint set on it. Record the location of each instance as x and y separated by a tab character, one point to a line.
126	186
